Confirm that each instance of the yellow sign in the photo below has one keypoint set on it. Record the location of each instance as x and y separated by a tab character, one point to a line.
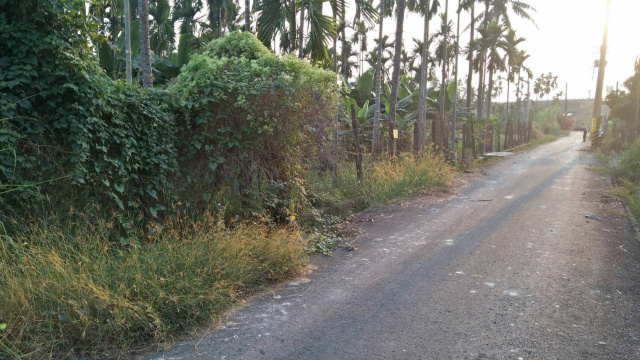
395	133
594	126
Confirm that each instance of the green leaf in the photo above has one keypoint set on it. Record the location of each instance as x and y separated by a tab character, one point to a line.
3	326
364	86
153	194
119	187
213	166
117	200
362	114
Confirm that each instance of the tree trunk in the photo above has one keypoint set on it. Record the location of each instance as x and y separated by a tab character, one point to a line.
470	79
376	116
356	141
508	133
489	95
336	127
395	79
293	29
301	39
482	55
489	91
247	11
518	138
470	58
145	49
345	58
443	89
421	124
127	40
455	86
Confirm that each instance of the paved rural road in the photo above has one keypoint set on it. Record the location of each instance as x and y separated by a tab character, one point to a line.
509	268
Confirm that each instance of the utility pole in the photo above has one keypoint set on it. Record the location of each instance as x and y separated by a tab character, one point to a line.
597	105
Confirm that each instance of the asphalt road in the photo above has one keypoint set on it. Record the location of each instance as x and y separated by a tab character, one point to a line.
508	268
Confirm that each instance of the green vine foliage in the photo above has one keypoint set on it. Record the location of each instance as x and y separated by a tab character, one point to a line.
67	131
246	120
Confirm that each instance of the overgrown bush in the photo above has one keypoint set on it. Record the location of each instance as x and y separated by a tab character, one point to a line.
628	165
67	131
68	292
245	121
545	122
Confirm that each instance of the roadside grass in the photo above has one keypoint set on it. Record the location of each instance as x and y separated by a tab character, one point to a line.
389	180
625	169
68	292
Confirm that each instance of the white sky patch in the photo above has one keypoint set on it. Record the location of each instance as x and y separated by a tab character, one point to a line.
566	41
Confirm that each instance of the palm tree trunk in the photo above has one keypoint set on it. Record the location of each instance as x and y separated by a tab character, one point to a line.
301	39
455	86
145	50
345	66
507	131
489	94
356	137
518	138
470	58
336	125
247	11
376	116
127	40
470	77
443	89
293	29
480	103
395	78
419	133
481	70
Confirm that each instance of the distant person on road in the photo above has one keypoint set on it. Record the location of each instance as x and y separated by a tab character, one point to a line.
584	133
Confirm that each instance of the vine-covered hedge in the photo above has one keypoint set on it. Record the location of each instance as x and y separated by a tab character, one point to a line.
67	131
245	119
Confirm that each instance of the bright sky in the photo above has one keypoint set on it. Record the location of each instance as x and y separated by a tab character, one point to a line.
566	42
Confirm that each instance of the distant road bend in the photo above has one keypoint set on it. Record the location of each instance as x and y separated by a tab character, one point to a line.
509	268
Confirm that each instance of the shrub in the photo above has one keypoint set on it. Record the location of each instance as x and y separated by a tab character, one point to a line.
245	119
628	165
546	121
63	118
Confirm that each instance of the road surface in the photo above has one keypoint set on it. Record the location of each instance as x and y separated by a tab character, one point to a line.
509	268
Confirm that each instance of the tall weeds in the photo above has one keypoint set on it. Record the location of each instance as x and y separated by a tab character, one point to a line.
392	179
67	290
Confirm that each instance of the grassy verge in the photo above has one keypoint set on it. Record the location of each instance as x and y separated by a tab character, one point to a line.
69	292
387	181
625	168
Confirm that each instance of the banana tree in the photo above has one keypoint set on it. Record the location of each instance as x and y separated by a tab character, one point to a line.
357	104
